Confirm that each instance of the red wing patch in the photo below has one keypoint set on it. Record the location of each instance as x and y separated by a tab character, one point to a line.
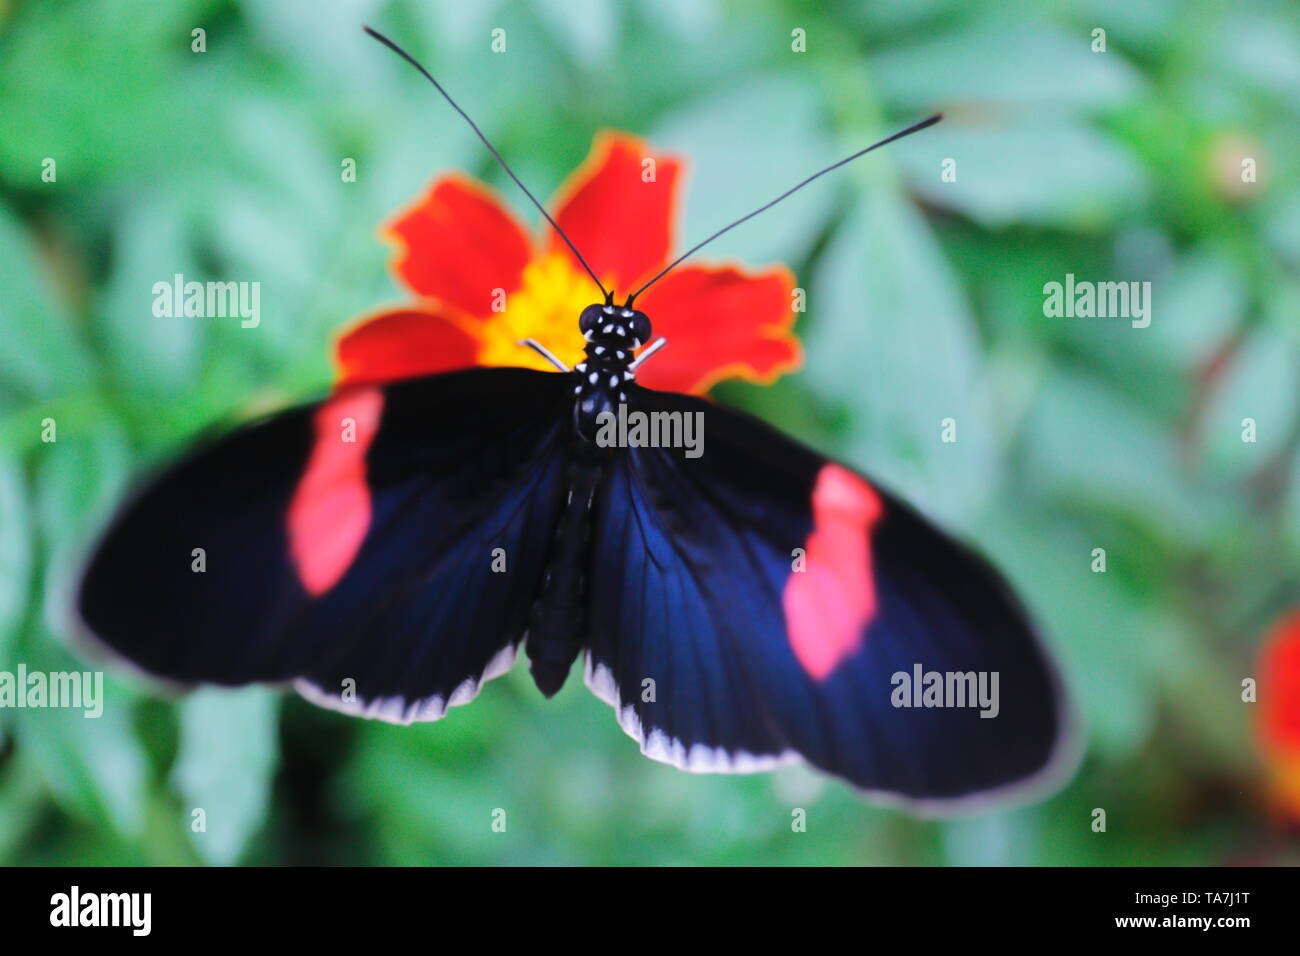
829	604
330	512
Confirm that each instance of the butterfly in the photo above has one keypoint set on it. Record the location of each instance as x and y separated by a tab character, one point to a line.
742	602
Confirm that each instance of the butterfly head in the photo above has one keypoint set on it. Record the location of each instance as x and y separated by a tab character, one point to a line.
614	326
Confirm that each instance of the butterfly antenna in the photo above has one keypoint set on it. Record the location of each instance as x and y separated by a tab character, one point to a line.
491	149
914	128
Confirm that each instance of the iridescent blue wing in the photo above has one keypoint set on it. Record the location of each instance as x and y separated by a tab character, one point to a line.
760	603
381	550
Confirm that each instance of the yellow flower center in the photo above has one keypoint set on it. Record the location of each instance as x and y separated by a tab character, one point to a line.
546	308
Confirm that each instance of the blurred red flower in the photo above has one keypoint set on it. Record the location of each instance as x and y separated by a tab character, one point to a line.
482	284
1278	725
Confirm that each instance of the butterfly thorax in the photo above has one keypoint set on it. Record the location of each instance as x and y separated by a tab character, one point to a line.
558	620
600	380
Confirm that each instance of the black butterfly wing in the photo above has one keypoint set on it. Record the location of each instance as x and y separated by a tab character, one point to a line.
758	603
381	549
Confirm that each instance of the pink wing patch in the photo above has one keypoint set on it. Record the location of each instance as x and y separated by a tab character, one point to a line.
829	604
330	512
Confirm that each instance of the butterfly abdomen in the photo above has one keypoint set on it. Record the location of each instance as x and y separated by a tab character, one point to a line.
558	618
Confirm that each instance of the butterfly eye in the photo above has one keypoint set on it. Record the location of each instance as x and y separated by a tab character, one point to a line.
640	326
589	319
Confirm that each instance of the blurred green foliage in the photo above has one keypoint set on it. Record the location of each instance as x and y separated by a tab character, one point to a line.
925	302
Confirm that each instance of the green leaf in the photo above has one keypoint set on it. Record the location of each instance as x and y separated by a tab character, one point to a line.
1020	61
459	27
155	356
1196	308
80	478
1263	50
1097	628
588	28
94	765
21	793
1261	384
1082	442
331	49
991	839
1281	226
893	345
722	184
1050	171
41	355
15	552
1293	509
93	128
226	766
391	780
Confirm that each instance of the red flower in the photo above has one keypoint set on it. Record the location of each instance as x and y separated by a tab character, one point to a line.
1278	726
483	284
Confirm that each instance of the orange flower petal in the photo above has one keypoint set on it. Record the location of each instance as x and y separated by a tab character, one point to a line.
720	323
1279	686
622	223
402	343
459	244
1278	716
